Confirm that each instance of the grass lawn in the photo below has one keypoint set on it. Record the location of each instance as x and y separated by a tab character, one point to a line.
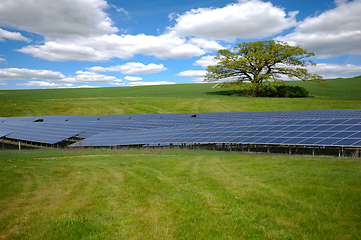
114	194
180	98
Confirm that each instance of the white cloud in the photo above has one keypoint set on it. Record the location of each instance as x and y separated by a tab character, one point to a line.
328	70
245	19
206	44
197	75
131	68
131	78
24	74
140	68
334	32
2	59
3	84
107	47
12	36
205	61
117	82
149	83
88	77
193	73
82	77
43	84
57	19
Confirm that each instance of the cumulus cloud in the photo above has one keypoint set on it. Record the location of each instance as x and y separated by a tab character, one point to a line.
245	19
2	59
131	78
44	84
81	77
197	75
193	73
332	33
149	83
12	36
206	44
106	47
117	82
205	61
24	74
58	19
131	68
328	70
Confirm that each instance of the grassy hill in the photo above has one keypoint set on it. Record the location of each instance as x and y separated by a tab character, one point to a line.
180	98
176	194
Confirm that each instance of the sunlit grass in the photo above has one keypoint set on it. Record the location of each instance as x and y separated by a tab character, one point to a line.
83	194
187	98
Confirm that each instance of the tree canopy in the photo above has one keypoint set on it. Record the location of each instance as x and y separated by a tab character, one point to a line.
261	62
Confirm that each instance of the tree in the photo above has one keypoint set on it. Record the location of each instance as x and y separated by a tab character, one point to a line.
261	62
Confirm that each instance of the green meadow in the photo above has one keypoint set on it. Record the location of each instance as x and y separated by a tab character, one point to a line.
182	98
176	194
179	194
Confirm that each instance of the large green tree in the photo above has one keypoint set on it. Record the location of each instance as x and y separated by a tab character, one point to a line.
257	63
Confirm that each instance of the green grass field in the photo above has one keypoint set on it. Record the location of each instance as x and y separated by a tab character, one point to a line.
183	98
114	194
176	194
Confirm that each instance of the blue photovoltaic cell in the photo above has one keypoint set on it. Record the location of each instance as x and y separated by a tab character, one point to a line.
328	141
346	142
308	134
325	134
318	128
353	121
294	140
356	135
310	141
306	128
292	134
266	140
278	134
342	134
339	127
322	128
357	144
355	128
279	140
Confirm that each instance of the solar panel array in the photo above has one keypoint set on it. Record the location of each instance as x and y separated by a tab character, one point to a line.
312	128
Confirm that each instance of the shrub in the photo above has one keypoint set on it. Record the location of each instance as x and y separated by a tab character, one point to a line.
279	91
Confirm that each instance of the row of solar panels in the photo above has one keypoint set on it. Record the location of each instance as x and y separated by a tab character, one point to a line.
316	128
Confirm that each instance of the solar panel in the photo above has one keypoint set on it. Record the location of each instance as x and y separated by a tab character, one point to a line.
316	128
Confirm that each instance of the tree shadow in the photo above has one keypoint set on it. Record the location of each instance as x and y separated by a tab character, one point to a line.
227	93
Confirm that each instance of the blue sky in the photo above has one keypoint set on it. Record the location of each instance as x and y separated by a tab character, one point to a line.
98	43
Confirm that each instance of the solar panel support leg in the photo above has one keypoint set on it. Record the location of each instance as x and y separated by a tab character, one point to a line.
290	150
223	145
3	144
214	146
339	152
267	148
171	145
230	147
241	147
19	146
313	150
249	147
